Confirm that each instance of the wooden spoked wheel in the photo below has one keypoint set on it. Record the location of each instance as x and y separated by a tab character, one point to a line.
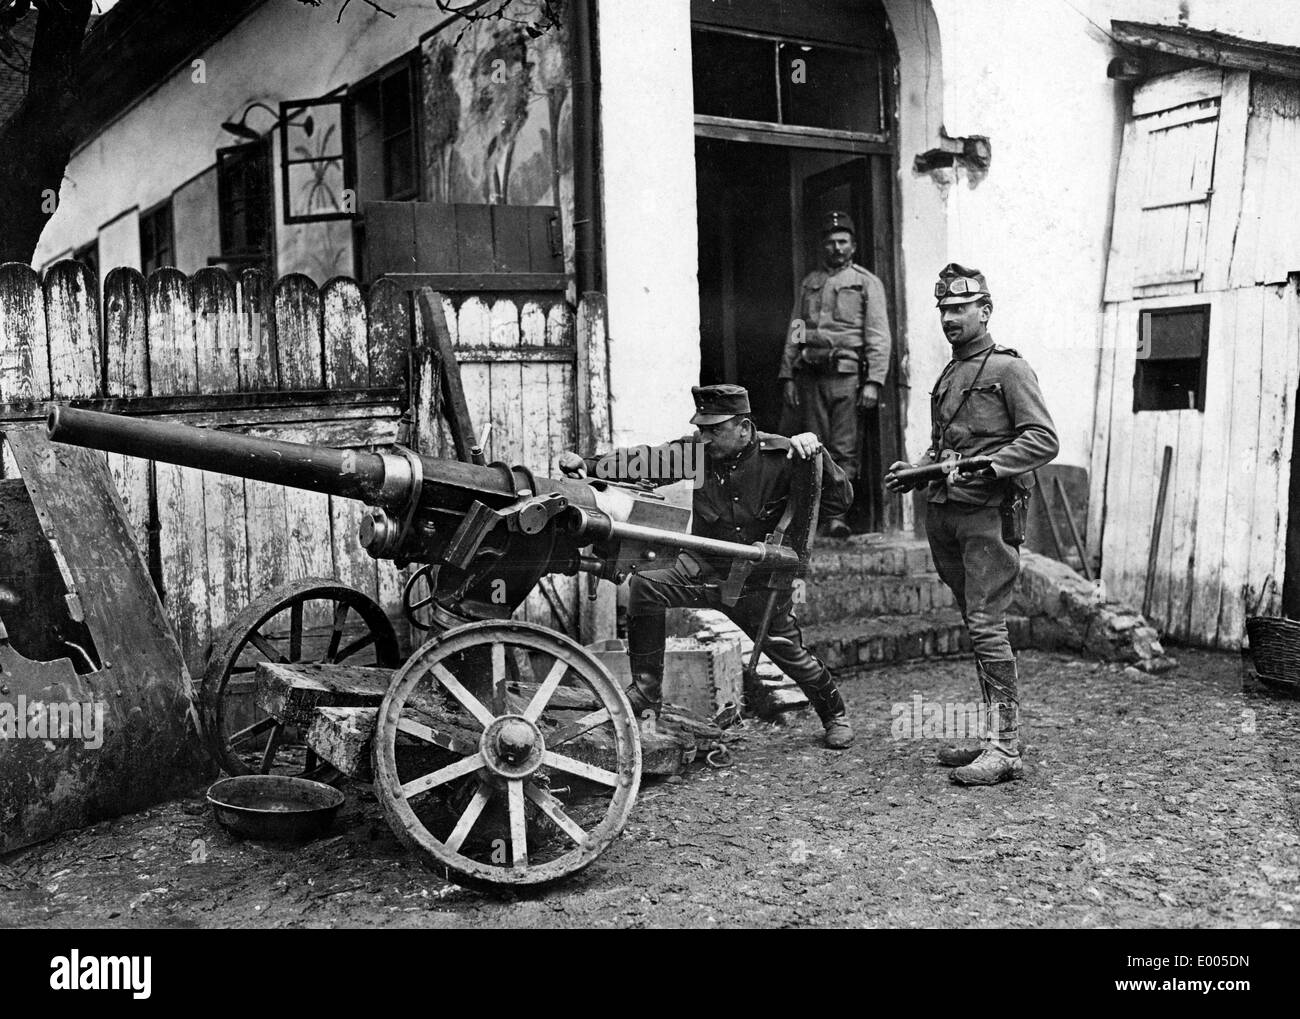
530	743
308	620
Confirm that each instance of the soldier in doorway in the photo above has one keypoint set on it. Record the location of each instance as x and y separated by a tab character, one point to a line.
836	352
987	403
741	498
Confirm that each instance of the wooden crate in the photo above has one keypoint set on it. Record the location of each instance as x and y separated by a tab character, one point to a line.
703	678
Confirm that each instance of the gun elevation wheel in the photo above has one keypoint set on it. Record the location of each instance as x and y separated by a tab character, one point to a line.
527	745
308	620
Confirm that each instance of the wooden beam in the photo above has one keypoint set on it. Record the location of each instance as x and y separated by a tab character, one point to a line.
434	321
1210	48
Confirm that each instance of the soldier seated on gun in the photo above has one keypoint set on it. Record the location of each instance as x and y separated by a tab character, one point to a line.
740	498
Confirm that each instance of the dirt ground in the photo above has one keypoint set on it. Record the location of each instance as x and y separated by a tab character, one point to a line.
1165	801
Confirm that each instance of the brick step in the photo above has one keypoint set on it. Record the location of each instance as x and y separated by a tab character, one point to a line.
834	597
886	639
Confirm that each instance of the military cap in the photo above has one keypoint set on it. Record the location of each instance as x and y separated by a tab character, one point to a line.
959	285
715	404
838	221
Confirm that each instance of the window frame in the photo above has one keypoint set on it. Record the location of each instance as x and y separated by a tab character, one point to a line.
410	63
1189	304
149	216
347	155
246	256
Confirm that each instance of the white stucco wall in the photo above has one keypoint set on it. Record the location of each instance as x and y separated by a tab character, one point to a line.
651	246
281	51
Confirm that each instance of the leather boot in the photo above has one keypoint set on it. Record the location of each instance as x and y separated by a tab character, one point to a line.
825	698
645	652
1000	759
958	757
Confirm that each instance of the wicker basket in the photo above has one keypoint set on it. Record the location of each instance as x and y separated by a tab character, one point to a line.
1275	650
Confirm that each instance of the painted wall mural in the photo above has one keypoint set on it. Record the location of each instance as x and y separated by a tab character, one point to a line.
498	112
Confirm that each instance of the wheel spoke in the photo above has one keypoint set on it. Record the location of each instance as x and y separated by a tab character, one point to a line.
466	822
357	645
499	701
295	631
543	696
429	734
554	809
518	823
467	700
272	745
256	729
442	776
336	634
421	604
582	769
575	729
267	648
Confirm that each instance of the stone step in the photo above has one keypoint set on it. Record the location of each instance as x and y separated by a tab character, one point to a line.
873	555
882	640
846	596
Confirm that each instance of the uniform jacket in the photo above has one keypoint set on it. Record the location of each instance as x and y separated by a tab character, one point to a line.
742	498
844	314
1003	417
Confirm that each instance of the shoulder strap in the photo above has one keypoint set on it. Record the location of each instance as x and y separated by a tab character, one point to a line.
943	426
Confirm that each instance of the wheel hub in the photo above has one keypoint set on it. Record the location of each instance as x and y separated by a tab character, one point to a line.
512	746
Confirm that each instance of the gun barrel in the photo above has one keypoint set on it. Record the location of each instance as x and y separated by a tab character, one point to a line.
376	479
941	469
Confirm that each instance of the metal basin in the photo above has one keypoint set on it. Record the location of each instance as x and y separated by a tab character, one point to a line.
276	807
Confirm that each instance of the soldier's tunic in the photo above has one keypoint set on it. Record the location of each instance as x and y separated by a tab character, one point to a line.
741	499
846	343
987	402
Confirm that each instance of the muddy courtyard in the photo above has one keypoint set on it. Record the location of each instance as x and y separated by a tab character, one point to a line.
1152	801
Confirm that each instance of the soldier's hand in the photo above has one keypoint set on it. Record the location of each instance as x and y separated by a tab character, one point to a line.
893	482
571	465
790	393
869	396
804	445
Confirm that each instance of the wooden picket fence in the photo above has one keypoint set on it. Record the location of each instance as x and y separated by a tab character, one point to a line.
331	365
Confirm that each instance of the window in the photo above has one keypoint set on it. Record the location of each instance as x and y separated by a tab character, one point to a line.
387	153
244	202
89	257
779	81
1171	358
156	246
314	171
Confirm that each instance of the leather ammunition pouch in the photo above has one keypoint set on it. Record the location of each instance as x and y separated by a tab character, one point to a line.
1014	510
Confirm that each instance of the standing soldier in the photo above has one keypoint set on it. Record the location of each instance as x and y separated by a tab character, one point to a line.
836	353
741	498
986	403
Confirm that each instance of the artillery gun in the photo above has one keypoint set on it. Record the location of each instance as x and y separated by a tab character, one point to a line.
500	718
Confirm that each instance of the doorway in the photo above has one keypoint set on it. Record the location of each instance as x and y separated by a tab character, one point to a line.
793	119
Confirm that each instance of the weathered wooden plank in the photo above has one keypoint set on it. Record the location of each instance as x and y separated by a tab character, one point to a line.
24	348
292	693
510	249
1241	463
1229	169
1099	462
351	563
389	335
506	385
72	329
216	330
1276	112
474	329
182	542
1291	393
258	357
1130	183
594	428
343	328
435	237
1205	576
227	547
474	238
559	325
390	238
298	333
126	341
131	476
173	357
545	243
1117	568
267	525
1164	433
1272	455
1166	91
